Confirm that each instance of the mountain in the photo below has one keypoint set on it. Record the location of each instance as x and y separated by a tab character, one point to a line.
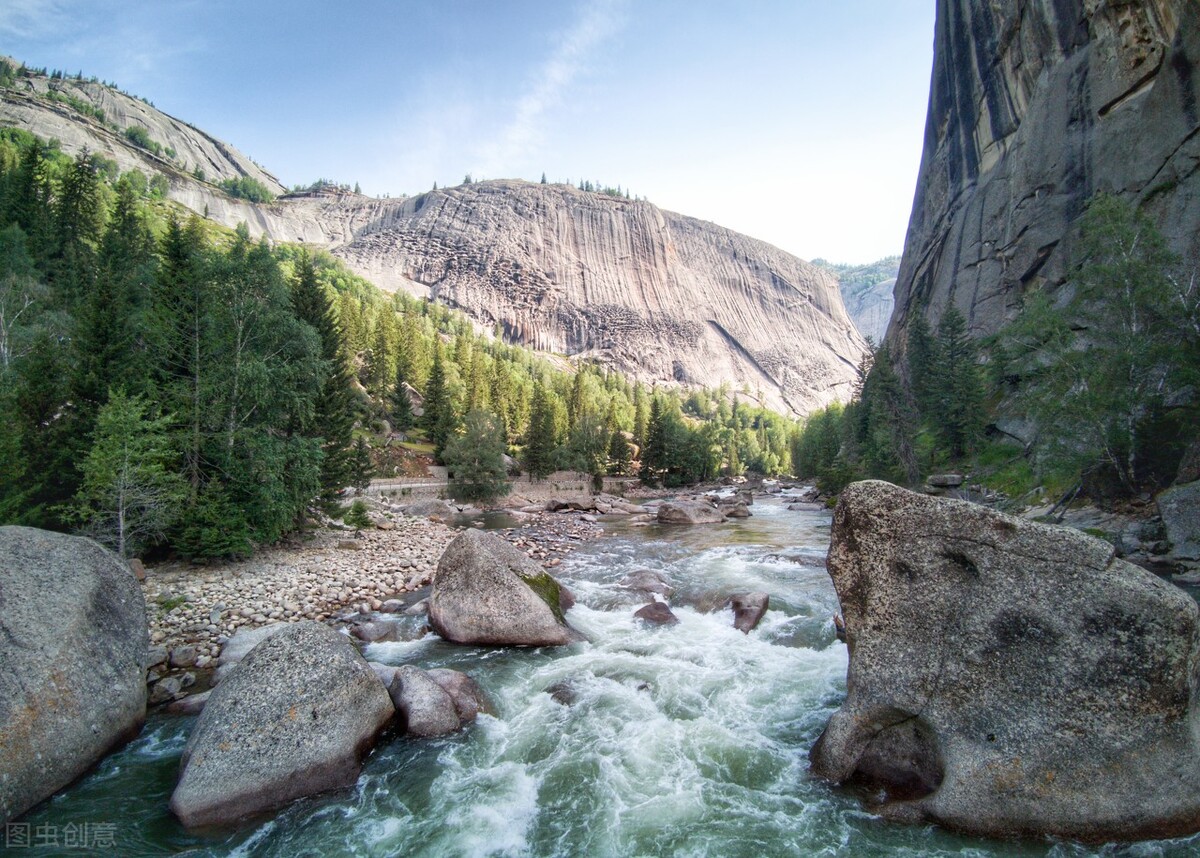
867	293
658	295
1034	107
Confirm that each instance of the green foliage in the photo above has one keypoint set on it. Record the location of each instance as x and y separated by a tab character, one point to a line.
1098	372
214	527
246	188
140	137
475	458
130	497
357	516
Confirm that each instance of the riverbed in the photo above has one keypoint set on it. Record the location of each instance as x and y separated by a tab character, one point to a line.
687	740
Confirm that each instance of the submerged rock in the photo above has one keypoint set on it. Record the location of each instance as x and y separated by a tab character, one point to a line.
748	610
1009	678
647	581
469	699
295	718
487	592
73	652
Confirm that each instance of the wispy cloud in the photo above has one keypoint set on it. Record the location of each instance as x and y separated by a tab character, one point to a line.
598	20
32	19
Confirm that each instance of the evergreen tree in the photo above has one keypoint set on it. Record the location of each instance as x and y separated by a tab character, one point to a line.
476	460
439	419
334	412
959	386
361	468
540	439
130	497
402	410
620	456
78	225
921	365
654	451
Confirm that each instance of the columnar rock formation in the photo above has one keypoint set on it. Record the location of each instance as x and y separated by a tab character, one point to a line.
655	294
1034	107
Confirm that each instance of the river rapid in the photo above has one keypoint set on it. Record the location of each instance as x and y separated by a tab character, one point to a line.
689	740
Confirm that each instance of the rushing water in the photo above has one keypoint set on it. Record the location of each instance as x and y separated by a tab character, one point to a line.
690	740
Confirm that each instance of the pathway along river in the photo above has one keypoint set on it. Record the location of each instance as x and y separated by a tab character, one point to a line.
683	741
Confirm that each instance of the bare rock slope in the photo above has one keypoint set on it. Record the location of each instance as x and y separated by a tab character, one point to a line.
658	295
1033	108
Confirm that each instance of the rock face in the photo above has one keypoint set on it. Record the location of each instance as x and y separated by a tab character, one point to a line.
1034	107
652	293
487	592
1180	510
867	293
73	650
294	718
1009	678
25	105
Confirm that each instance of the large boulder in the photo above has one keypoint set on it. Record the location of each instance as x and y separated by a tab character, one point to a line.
689	512
1180	510
424	707
487	592
748	610
1009	678
73	651
239	646
294	718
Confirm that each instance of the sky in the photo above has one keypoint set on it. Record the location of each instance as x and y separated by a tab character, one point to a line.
798	122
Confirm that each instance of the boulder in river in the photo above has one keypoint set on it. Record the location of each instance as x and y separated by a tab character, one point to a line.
647	581
1009	678
657	614
73	651
240	645
689	512
487	592
469	699
425	708
748	610
295	718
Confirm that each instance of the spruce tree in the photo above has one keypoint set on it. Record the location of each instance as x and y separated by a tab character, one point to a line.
958	385
439	419
402	411
334	412
540	440
654	452
921	349
476	460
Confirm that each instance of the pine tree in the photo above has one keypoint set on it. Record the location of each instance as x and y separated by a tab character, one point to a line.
958	386
402	410
129	498
540	439
361	468
334	412
654	452
439	419
78	225
620	456
476	460
921	365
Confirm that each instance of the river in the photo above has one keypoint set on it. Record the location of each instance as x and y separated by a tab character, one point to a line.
689	740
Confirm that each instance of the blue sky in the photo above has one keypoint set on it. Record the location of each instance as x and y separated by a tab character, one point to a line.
795	121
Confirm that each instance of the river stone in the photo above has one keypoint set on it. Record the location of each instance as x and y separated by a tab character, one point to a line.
737	510
648	581
73	651
657	613
748	610
487	592
469	699
1009	678
1180	510
193	704
296	718
376	632
425	708
689	512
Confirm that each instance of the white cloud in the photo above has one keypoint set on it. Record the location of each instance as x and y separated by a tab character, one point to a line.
32	19
599	20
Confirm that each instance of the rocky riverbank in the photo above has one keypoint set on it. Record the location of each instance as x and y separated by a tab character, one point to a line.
193	610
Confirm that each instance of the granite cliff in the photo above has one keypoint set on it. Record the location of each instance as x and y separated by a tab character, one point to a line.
660	296
655	294
1034	107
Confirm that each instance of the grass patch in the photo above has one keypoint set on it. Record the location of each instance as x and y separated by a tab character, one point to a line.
418	447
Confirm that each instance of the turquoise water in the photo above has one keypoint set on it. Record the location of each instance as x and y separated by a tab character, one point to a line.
683	741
